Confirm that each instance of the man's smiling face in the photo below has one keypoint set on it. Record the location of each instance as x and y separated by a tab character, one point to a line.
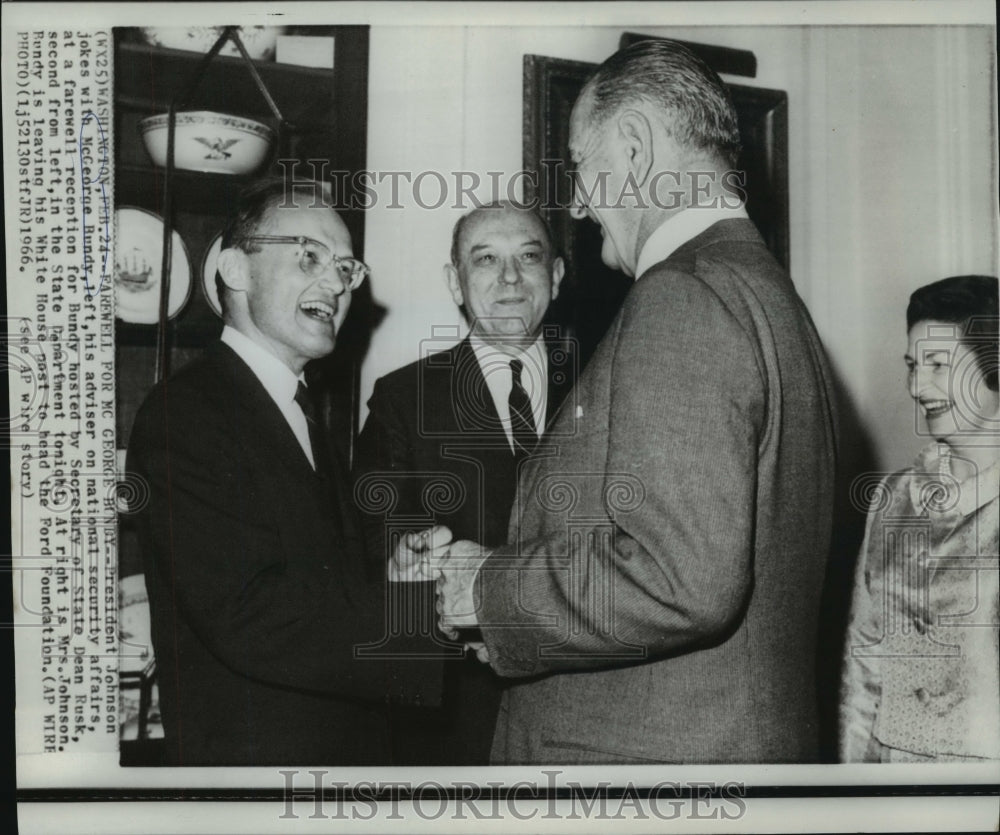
597	186
506	275
296	315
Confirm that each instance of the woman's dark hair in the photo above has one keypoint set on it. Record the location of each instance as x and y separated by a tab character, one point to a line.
969	301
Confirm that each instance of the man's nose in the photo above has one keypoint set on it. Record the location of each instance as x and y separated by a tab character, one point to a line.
334	280
510	271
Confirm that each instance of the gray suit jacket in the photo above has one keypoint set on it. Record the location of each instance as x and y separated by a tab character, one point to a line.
660	588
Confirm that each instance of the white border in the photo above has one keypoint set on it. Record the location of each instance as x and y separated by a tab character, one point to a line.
102	771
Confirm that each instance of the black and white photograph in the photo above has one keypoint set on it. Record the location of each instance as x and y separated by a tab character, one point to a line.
551	415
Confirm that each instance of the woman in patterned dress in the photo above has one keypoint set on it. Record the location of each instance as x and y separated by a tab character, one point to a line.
921	678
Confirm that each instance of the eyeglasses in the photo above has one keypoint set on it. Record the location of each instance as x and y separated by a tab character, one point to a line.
315	258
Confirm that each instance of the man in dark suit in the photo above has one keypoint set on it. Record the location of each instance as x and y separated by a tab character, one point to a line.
657	599
447	434
251	551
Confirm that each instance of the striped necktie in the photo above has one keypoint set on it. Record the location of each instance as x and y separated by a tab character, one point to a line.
522	419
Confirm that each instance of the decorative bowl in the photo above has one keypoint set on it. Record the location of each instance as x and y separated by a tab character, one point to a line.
258	40
210	142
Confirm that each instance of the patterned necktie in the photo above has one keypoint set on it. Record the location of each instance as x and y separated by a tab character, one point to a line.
522	419
315	431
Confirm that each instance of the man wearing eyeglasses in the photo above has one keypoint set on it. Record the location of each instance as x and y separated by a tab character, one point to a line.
448	434
251	551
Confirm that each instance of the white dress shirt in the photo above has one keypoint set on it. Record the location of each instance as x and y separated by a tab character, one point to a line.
678	230
495	365
278	379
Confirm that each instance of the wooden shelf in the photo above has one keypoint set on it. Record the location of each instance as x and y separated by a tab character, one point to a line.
326	111
142	185
151	75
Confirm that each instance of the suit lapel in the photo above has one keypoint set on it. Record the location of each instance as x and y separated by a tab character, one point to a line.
472	404
256	413
271	437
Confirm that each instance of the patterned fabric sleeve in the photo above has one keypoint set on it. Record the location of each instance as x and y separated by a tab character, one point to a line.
861	684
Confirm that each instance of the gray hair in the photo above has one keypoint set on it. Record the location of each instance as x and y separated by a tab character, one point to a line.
696	105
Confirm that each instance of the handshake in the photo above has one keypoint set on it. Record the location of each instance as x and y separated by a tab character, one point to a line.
454	565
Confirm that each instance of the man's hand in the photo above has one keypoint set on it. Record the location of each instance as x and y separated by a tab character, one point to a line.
478	647
456	603
412	561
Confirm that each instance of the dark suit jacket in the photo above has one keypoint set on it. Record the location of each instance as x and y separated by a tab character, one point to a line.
255	577
433	439
664	569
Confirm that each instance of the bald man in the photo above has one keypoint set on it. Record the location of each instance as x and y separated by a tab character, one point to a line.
448	434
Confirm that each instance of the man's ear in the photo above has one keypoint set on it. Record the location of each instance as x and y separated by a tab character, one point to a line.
454	285
234	268
636	137
558	270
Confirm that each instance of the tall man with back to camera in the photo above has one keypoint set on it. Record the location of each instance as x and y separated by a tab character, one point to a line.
657	599
251	550
449	432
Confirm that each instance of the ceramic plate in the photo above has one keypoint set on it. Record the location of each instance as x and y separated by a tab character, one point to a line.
138	256
134	625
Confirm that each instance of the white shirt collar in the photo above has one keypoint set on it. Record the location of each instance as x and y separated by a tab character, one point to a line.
495	366
278	380
676	231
